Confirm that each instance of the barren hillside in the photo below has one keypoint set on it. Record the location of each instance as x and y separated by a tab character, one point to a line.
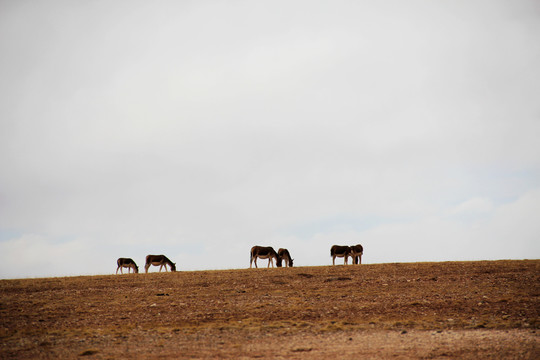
417	310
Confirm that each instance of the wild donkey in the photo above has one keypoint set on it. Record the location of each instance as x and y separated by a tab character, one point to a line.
285	255
128	263
264	253
159	260
356	252
340	251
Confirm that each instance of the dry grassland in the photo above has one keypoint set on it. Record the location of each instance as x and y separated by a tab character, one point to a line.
465	310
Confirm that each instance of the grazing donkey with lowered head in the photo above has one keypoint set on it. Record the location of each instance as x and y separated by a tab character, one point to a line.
356	252
126	263
264	253
286	256
340	251
159	260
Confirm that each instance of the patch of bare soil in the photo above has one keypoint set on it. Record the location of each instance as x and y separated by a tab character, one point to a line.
466	310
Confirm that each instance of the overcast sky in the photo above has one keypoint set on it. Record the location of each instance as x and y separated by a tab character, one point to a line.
198	129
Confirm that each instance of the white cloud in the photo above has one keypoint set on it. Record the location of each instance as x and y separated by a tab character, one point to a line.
32	255
473	208
507	231
182	127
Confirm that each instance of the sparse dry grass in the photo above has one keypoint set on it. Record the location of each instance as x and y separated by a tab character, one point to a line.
234	313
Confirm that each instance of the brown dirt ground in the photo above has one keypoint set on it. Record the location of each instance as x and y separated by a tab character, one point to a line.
466	310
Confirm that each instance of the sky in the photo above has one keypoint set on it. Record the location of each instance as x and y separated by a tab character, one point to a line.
197	129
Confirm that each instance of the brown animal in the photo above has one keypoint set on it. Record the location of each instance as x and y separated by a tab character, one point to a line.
285	255
356	252
263	252
340	251
126	263
159	260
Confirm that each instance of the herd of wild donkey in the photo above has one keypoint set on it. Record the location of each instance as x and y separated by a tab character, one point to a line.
262	252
